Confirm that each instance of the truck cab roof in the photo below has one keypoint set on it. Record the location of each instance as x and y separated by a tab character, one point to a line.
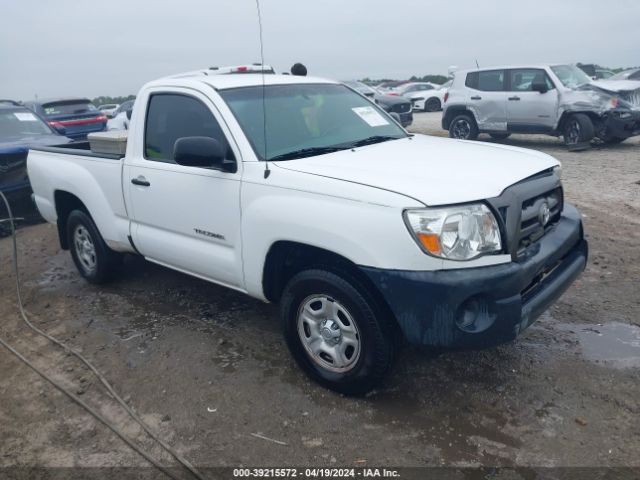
223	82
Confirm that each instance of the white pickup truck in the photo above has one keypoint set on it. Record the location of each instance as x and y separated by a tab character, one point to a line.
364	234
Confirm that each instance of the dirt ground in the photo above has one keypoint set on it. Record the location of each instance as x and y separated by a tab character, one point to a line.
207	367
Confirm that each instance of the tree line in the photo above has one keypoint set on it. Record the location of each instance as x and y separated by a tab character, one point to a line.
104	100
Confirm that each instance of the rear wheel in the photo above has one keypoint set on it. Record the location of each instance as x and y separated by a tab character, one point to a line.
499	136
578	131
94	260
463	127
432	105
336	331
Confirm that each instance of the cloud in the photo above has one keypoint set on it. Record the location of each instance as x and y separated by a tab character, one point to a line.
78	47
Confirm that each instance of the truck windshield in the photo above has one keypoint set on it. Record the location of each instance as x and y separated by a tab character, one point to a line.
308	119
570	75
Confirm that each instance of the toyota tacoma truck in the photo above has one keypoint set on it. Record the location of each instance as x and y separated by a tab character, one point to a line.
301	191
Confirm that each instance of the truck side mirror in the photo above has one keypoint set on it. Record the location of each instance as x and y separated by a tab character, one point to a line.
204	152
128	113
540	87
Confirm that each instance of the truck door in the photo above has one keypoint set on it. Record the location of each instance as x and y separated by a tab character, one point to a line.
487	99
187	218
530	111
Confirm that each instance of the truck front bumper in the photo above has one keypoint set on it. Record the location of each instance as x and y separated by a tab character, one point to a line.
622	124
485	306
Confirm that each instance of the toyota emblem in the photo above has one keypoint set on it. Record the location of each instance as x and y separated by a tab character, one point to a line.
544	214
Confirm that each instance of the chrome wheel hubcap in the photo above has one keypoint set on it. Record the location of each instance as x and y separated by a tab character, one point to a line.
85	249
328	333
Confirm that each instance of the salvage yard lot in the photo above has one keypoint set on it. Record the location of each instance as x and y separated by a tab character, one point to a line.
207	367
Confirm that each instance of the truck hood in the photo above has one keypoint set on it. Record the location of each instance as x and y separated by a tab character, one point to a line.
617	86
432	170
601	92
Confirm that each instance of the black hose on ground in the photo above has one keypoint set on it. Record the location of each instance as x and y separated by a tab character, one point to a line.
93	369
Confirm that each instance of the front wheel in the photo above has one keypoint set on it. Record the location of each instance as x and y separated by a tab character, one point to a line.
95	261
463	127
578	131
336	331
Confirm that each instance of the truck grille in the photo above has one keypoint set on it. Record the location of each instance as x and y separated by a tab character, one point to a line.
538	214
523	210
633	97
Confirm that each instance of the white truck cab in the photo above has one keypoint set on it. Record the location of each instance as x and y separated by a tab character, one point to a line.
298	190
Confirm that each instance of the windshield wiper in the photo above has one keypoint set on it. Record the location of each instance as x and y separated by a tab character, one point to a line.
373	139
307	152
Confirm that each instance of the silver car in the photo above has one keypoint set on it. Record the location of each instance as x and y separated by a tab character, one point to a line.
559	100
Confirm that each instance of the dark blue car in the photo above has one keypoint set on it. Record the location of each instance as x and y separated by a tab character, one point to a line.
20	129
77	116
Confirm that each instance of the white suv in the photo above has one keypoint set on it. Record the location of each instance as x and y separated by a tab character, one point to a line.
559	100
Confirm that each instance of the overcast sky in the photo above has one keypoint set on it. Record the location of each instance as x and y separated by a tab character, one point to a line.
111	47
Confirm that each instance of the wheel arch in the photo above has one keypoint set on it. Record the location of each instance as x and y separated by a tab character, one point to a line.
594	117
454	111
65	203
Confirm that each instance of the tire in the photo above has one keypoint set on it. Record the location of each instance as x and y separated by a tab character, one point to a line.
578	131
432	105
499	136
336	331
463	127
94	260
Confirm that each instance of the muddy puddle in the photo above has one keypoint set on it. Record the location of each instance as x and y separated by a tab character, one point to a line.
613	344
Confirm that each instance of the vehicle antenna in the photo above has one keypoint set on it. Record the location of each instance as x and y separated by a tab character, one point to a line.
267	172
477	64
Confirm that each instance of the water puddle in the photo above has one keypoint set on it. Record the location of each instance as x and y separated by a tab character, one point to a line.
615	344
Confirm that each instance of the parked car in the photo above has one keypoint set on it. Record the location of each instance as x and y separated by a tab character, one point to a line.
78	116
20	128
391	104
361	231
108	109
429	100
121	117
123	107
559	100
632	74
385	87
410	87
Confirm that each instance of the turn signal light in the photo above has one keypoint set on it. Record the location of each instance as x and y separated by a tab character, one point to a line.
429	241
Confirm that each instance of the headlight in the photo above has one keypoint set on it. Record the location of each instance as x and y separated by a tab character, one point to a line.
455	233
558	171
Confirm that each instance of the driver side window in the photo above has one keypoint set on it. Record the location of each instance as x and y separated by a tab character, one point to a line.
172	116
522	79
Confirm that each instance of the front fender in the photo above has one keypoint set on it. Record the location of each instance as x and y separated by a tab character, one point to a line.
363	233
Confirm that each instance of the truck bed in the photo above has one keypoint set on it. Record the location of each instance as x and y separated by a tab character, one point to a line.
82	177
78	148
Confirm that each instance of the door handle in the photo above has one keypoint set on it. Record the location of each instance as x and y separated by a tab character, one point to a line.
514	99
140	180
476	98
